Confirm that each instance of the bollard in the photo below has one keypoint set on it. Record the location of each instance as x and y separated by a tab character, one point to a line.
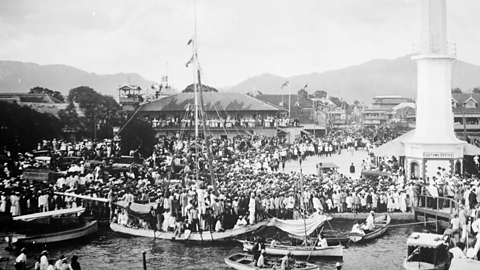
144	260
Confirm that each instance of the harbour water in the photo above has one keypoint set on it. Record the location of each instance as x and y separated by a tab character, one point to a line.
109	250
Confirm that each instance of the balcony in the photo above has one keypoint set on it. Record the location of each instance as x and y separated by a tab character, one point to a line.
435	49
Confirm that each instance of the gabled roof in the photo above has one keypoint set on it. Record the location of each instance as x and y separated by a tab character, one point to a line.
404	105
461	99
32	98
391	100
470	98
129	87
52	109
213	102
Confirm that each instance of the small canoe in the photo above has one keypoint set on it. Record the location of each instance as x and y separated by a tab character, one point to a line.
241	261
206	236
64	235
298	251
381	224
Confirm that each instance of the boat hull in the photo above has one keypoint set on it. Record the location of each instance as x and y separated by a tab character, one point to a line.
205	236
354	237
298	251
244	262
422	266
89	228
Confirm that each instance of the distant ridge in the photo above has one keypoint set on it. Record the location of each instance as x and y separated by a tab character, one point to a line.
361	82
21	77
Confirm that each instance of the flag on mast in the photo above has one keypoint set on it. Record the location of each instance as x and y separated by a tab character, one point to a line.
190	41
164	78
306	85
285	84
189	62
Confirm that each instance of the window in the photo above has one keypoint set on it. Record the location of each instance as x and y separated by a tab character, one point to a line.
470	104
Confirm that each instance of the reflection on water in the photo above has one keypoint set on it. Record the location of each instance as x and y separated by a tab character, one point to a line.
108	250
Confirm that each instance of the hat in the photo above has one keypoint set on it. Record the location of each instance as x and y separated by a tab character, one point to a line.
338	264
44	252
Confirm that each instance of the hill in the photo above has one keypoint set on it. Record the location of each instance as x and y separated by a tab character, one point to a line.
21	77
361	82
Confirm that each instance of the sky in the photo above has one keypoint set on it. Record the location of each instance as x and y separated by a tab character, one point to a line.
235	39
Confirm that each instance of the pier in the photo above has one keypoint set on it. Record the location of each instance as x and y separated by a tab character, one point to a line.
435	210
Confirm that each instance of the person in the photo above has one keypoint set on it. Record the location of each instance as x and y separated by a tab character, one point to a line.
257	249
58	264
75	265
43	260
370	222
65	265
322	242
457	251
338	266
352	170
21	260
286	261
261	259
357	228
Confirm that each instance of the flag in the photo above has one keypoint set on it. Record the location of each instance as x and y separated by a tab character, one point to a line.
306	85
190	42
189	62
164	78
285	84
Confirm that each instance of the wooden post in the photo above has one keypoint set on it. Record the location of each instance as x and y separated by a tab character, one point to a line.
144	260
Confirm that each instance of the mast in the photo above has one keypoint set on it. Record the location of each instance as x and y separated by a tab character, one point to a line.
207	142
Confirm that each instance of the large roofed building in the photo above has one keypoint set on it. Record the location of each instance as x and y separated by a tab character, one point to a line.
227	115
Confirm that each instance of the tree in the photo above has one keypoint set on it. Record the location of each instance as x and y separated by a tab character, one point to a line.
41	90
302	93
22	128
101	112
456	90
140	135
476	90
320	94
206	88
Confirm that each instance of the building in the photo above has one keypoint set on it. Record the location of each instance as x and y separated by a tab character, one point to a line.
382	110
130	97
387	103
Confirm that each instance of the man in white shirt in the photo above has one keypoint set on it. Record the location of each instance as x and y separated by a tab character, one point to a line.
370	222
476	229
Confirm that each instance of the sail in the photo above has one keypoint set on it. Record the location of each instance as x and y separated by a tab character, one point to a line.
137	208
299	226
49	214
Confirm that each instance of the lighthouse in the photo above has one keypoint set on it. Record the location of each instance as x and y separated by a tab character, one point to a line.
434	143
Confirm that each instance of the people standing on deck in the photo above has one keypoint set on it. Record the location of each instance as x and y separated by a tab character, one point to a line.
21	261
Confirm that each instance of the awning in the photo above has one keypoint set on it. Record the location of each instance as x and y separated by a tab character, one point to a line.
394	147
49	214
136	207
376	173
299	227
428	240
471	150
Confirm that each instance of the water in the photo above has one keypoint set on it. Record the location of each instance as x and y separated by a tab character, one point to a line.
109	250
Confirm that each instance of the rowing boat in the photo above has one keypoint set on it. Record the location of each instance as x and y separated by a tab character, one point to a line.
204	236
88	228
298	251
241	261
381	224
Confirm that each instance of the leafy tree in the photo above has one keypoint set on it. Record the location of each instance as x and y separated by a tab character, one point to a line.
456	90
476	90
101	112
22	128
69	117
302	93
206	88
41	90
140	135
320	94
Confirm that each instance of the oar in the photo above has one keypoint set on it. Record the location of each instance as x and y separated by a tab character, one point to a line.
313	247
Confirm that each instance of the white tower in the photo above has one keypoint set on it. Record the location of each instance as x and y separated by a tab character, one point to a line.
434	143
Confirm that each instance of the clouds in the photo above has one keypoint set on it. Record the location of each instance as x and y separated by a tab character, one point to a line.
237	39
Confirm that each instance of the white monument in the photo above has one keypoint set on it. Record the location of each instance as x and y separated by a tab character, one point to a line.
434	143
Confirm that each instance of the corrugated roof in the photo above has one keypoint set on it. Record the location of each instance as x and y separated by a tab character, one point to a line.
213	102
294	99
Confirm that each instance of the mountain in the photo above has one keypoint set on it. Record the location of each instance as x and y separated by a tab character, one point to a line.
21	77
361	82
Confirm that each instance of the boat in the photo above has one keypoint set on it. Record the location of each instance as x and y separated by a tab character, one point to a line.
52	231
205	236
462	264
381	226
241	261
297	251
426	251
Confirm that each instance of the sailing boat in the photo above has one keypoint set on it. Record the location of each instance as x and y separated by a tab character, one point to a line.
140	209
300	228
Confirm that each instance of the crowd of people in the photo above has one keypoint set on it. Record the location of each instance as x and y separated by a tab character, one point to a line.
251	181
42	262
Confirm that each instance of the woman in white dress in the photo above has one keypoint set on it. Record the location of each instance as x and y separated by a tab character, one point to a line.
403	201
390	202
3	202
396	201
